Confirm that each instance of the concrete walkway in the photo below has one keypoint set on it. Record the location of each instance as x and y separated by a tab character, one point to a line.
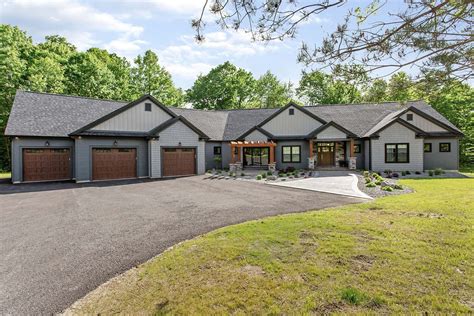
342	185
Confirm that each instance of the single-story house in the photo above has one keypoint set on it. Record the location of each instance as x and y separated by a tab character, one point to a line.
61	137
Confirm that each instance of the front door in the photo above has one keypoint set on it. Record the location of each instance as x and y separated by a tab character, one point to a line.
326	154
256	156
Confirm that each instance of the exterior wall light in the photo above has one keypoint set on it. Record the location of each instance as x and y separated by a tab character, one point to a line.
46	143
115	143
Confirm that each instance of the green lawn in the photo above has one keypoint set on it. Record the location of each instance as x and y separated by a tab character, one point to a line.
400	254
5	175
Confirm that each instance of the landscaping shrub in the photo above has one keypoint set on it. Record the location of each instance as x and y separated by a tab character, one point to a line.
375	175
397	187
367	180
259	177
282	175
353	296
366	173
395	175
407	172
387	188
370	185
438	171
387	171
289	169
378	182
404	173
242	174
417	172
431	173
264	175
269	173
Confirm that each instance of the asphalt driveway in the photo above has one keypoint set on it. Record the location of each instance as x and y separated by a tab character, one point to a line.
61	240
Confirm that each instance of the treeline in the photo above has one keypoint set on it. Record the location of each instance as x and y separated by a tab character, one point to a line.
56	66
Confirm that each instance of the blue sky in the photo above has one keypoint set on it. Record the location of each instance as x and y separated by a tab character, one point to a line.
130	27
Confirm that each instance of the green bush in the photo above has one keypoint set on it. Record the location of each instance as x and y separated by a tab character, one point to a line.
397	187
387	188
264	175
378	182
366	173
407	172
259	177
282	175
242	174
438	171
367	180
269	173
404	173
375	175
431	173
417	172
370	185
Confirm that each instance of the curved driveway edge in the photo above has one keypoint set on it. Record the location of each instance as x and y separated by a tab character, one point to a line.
341	185
59	242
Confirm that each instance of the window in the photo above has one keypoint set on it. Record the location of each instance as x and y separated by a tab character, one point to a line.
396	153
356	148
427	147
444	147
291	111
148	107
409	117
217	150
291	153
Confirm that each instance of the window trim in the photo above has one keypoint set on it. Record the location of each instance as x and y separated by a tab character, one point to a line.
357	148
409	116
291	111
445	151
219	153
147	107
291	154
396	152
431	147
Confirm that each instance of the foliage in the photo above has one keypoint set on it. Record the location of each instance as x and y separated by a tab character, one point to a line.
303	263
224	87
269	92
433	36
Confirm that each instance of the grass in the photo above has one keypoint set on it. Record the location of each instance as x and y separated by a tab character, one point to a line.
468	170
5	175
402	254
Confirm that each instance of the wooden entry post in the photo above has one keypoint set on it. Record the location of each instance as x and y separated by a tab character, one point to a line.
272	154
232	151
352	147
311	144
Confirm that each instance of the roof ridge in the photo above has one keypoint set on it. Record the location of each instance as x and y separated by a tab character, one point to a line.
73	96
361	103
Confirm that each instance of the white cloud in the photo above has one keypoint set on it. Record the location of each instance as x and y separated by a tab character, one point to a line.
187	71
312	19
79	22
187	7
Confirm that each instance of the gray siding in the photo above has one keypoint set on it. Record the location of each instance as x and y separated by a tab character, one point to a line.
304	154
331	133
360	156
397	133
436	159
366	151
176	135
423	123
17	146
256	136
84	154
135	119
226	154
209	152
290	125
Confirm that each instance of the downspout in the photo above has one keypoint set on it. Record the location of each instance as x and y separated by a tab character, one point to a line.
370	154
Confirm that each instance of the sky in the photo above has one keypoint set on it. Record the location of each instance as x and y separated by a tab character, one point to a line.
130	27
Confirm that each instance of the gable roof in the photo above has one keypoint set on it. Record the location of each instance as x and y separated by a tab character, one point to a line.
123	109
331	123
256	128
55	115
174	120
296	106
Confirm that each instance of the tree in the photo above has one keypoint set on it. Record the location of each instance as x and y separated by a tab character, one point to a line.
15	51
319	88
46	75
224	87
399	87
57	46
86	75
376	91
430	35
148	77
269	92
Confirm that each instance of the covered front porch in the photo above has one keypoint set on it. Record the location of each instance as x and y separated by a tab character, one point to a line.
332	154
252	155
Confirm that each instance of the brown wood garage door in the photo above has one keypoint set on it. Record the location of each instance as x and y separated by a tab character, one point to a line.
46	164
179	161
114	163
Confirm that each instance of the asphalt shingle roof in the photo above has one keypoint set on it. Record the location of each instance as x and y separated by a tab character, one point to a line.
53	115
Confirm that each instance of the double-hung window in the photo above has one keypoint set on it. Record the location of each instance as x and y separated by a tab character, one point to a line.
291	153
397	153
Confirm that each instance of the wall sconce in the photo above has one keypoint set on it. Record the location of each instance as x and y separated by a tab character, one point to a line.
46	143
115	143
179	144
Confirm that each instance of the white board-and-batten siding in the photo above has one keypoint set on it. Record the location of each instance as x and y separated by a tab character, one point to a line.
297	124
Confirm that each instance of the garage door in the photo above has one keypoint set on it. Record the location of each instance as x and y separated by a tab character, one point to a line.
114	163
46	164
179	161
